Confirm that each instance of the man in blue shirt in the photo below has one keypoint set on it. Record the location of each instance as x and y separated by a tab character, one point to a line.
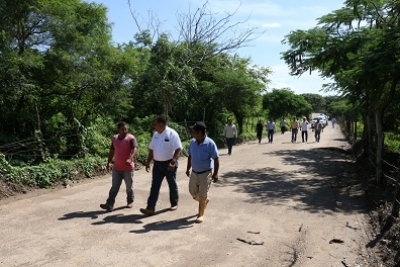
204	162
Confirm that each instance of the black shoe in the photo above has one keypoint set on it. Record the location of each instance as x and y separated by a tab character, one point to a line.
147	212
106	207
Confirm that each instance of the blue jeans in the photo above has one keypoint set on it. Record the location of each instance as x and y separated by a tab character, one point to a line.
294	135
117	177
317	135
270	136
160	170
229	143
304	135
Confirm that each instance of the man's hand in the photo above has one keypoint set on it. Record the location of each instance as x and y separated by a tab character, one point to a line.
188	173
147	167
108	167
171	165
215	178
128	162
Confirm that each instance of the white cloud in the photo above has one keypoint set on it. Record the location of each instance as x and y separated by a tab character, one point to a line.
271	25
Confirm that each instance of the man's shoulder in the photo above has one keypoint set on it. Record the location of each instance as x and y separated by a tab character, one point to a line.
170	130
130	136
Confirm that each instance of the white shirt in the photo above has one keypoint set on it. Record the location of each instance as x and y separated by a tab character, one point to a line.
164	144
304	125
283	123
230	131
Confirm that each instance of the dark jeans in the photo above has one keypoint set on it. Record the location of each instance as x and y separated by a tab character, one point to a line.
294	135
283	129
317	135
259	136
117	177
270	136
229	142
304	135
160	170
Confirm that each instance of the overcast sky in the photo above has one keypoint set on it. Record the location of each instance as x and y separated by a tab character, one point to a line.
277	18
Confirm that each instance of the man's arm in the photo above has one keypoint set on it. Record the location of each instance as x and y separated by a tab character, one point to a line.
189	165
150	157
175	158
110	158
133	153
216	169
134	149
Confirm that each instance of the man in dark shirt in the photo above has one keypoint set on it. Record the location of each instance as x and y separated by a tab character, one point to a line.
259	130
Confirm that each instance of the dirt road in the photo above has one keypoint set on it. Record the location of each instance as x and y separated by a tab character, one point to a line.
297	196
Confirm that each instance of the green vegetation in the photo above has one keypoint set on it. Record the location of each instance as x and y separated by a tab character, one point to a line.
358	48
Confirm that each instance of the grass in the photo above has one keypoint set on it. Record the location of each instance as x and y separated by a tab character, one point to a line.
392	141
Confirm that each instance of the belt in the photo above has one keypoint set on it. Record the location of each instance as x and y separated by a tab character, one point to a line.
158	161
202	171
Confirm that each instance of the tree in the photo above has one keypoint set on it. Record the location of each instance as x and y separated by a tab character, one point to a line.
357	47
316	101
284	102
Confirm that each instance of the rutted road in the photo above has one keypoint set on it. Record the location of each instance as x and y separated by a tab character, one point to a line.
286	192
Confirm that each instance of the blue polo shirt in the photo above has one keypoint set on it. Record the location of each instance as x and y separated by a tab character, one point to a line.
203	154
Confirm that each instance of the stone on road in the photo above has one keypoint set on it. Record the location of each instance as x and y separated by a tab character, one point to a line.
294	196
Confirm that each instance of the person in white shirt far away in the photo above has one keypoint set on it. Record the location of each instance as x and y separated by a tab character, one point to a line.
271	130
304	129
230	134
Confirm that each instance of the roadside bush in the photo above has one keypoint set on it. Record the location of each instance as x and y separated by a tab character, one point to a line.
52	171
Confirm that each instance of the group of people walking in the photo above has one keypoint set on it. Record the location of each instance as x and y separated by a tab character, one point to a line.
164	151
163	154
295	127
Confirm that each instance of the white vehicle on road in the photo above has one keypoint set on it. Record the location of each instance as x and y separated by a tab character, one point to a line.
322	120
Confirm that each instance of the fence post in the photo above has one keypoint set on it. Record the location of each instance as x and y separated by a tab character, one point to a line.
396	197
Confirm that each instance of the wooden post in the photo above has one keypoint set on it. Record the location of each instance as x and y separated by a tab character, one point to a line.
396	197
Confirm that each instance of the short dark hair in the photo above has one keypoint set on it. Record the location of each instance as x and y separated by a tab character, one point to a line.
202	130
161	119
121	124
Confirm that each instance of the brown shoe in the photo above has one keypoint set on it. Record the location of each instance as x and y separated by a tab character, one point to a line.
106	207
174	207
129	205
147	212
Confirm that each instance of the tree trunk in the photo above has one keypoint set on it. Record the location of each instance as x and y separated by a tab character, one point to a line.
367	135
38	133
355	131
379	144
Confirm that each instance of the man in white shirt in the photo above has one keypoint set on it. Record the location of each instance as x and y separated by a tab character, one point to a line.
271	130
230	135
165	148
304	129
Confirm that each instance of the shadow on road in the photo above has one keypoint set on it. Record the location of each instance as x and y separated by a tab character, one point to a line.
86	214
321	180
121	218
181	223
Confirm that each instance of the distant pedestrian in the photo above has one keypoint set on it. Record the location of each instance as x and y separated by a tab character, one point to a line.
164	149
318	130
271	130
294	127
304	130
230	134
204	162
259	130
333	122
123	150
283	125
